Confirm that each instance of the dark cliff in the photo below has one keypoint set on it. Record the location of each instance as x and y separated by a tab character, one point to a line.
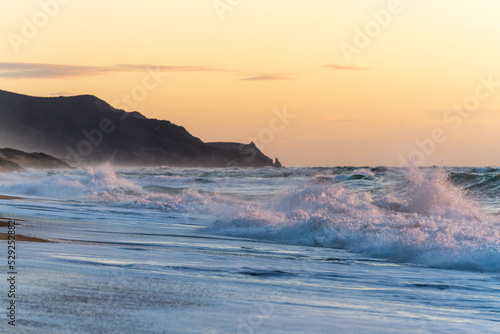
14	161
86	130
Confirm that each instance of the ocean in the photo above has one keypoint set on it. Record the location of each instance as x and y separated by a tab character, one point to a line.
290	250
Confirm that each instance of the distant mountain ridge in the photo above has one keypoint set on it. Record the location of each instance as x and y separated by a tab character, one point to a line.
14	161
85	130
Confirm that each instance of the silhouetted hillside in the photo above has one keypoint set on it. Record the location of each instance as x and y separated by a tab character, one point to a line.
14	160
86	130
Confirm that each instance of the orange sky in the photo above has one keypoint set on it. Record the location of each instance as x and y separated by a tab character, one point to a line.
363	82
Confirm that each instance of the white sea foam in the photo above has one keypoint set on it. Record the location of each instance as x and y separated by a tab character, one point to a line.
417	216
238	285
103	184
433	225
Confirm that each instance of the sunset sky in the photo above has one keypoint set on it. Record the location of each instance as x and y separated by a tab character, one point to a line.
367	82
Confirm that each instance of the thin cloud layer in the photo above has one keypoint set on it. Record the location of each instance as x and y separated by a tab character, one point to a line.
142	68
43	71
345	67
268	77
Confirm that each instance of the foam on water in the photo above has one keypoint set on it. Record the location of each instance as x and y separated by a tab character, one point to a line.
212	283
417	216
82	184
102	184
428	222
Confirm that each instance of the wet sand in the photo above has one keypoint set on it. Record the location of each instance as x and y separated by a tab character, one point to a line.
9	197
4	222
19	237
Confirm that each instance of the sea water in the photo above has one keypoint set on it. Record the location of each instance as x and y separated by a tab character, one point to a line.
291	250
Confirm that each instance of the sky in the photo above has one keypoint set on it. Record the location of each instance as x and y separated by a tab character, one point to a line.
315	83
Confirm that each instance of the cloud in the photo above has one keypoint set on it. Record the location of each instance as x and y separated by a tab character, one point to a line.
43	71
30	70
268	77
142	68
345	67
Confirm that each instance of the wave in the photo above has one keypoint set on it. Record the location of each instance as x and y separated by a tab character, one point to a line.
431	223
486	183
339	176
423	216
137	190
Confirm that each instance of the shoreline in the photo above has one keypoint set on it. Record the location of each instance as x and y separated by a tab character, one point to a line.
9	198
4	222
20	237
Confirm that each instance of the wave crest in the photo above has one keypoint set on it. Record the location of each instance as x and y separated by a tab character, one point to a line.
433	224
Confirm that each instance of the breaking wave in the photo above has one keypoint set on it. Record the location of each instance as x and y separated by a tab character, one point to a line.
428	221
102	184
430	217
